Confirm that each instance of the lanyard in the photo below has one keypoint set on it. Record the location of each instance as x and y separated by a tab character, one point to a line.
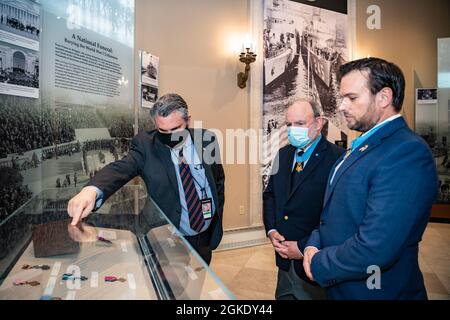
202	188
307	153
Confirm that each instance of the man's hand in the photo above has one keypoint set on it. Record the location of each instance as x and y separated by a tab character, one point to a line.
82	233
308	255
278	243
291	250
82	204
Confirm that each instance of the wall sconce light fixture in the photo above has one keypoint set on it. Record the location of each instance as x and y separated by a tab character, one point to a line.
247	58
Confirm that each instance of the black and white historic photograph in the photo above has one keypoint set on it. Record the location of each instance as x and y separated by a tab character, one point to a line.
60	145
19	67
440	152
19	48
116	16
304	46
149	95
426	95
436	136
20	19
149	69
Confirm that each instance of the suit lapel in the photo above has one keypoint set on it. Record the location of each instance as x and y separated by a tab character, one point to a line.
314	160
328	188
200	146
354	156
369	145
164	155
285	175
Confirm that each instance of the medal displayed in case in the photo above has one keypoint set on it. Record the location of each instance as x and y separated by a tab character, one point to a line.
40	266
71	276
22	283
104	241
114	279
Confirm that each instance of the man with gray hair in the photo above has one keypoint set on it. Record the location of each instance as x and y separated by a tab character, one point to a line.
292	201
181	169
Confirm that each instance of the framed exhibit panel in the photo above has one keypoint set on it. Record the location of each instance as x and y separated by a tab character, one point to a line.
432	113
442	143
149	79
426	114
72	61
127	250
19	48
302	43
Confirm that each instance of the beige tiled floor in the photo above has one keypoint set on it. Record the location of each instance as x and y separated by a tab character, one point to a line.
250	273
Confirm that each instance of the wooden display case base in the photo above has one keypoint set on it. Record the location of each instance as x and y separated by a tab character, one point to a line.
440	213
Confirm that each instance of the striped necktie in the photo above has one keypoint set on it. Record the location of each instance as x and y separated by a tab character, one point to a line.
193	202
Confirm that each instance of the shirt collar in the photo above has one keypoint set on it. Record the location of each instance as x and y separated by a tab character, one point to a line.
186	144
308	150
366	135
312	145
381	124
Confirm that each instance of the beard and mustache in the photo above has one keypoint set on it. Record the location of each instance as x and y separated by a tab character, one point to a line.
366	122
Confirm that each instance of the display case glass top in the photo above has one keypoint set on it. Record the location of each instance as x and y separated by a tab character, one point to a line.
128	249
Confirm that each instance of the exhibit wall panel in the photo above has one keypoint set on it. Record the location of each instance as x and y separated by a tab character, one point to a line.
66	97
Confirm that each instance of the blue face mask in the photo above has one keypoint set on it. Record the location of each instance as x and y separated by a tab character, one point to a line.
298	136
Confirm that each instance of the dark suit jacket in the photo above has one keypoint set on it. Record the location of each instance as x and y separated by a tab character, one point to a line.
151	160
303	205
375	213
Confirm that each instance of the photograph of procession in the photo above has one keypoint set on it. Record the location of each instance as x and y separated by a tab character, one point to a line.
304	46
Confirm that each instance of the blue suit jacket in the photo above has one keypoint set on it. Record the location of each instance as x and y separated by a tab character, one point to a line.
375	213
303	204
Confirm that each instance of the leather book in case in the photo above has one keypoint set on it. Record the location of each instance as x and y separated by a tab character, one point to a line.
53	239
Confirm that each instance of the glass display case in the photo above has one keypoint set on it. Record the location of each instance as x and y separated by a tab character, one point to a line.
128	249
432	114
442	149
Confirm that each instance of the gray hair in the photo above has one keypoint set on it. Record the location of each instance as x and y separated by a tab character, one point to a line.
168	104
316	108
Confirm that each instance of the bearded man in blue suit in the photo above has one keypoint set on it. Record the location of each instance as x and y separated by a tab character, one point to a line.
379	194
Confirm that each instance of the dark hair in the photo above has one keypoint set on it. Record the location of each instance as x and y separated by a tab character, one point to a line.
169	103
382	74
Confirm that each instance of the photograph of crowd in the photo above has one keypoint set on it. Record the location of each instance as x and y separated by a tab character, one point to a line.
20	17
441	151
13	193
19	48
426	95
28	127
37	138
19	66
149	95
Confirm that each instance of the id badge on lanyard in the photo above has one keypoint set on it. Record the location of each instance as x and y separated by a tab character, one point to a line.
206	206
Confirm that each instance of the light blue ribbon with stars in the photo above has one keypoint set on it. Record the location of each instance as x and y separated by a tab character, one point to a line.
360	140
307	154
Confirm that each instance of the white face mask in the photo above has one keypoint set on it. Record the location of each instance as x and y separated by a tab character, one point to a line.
298	136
